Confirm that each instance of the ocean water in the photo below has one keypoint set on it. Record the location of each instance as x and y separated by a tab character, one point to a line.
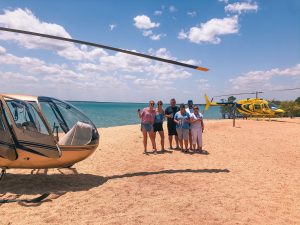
109	114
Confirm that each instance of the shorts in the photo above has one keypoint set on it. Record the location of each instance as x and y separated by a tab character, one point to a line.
147	126
172	129
158	127
182	133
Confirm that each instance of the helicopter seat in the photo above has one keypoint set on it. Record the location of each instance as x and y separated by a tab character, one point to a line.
80	134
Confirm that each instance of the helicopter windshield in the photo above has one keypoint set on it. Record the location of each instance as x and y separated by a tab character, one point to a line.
62	115
26	116
272	106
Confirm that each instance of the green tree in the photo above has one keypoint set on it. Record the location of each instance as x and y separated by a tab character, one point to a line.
290	107
297	100
227	110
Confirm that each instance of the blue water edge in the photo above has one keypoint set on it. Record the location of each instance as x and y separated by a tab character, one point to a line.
110	114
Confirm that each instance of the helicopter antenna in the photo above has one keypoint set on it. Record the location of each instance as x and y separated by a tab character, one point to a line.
105	47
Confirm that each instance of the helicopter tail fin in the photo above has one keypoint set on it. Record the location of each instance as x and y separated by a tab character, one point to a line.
208	103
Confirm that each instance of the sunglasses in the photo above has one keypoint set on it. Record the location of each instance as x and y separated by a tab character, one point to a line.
159	104
152	103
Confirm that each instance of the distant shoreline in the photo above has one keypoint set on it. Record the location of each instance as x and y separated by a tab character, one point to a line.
120	102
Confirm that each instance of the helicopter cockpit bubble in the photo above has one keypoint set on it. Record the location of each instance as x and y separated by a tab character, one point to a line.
64	116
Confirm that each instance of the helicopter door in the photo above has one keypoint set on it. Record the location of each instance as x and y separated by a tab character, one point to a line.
7	146
30	129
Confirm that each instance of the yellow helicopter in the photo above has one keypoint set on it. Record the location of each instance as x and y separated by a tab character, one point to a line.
249	107
42	132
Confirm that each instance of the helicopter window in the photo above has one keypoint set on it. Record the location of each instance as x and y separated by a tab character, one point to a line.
70	114
256	106
26	117
62	115
247	106
53	117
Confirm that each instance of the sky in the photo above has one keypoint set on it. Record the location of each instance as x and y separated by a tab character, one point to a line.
247	45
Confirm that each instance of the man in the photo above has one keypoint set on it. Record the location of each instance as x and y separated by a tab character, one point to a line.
190	110
170	113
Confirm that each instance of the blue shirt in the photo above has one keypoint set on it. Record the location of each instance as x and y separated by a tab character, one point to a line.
159	117
183	120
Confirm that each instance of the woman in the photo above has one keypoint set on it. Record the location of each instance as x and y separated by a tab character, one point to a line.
158	124
182	119
197	128
147	119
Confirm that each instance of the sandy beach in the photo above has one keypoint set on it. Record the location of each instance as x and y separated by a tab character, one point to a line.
250	175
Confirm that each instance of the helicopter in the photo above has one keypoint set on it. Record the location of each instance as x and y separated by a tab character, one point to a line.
38	132
257	107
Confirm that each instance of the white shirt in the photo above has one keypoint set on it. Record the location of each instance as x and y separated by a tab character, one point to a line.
189	111
196	125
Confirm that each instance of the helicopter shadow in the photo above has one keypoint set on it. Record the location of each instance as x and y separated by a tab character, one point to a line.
53	186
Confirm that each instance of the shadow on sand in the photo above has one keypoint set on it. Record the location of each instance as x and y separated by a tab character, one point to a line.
284	121
55	185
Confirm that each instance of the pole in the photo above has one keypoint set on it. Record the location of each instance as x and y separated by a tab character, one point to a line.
233	121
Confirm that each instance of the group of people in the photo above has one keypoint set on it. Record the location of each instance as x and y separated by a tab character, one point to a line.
184	124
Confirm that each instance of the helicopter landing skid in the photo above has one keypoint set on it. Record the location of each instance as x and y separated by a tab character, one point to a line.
3	172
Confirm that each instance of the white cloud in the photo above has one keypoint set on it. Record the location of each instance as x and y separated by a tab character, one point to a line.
158	12
2	50
11	77
24	19
210	31
192	14
127	63
192	62
239	7
152	83
224	1
147	33
255	80
144	22
119	61
172	8
152	36
157	37
36	66
203	84
112	26
129	77
165	71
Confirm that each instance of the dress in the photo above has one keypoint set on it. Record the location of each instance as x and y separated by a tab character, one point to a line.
196	129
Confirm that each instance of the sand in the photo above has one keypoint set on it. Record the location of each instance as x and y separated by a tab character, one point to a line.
250	175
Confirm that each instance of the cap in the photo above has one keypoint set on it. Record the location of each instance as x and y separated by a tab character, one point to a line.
190	102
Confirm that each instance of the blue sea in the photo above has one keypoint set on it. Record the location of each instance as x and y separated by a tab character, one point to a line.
109	114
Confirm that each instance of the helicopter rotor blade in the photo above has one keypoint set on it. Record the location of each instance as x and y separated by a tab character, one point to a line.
105	47
259	92
249	93
287	89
